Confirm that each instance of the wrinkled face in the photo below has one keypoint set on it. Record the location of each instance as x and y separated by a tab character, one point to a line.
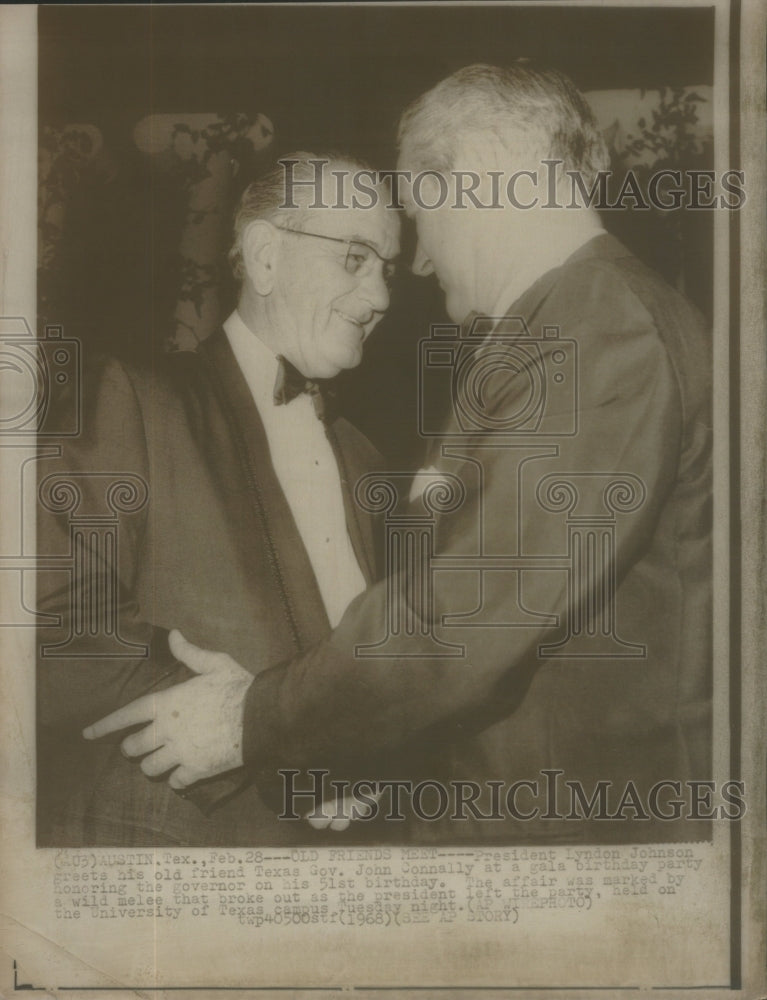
330	295
447	241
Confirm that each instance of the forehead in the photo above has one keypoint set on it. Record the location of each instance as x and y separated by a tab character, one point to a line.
379	226
405	163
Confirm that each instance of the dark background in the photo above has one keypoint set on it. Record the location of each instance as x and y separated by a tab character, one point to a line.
333	77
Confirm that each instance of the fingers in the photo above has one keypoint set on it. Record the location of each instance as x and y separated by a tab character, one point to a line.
362	809
318	820
141	710
202	661
338	816
144	741
182	777
159	762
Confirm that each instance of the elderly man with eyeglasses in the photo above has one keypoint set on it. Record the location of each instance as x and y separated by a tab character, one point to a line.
249	540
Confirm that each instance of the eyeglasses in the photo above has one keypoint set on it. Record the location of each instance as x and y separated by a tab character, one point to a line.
360	257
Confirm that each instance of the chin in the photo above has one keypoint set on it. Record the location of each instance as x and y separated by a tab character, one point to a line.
349	354
334	366
456	309
350	361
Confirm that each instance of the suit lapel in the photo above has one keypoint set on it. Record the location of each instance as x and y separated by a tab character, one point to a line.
289	567
352	467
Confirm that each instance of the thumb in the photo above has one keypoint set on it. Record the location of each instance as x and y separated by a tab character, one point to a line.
202	661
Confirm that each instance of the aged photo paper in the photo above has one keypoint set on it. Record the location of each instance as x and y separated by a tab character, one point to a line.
382	548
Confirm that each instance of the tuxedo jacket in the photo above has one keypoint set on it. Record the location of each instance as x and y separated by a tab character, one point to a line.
202	539
600	487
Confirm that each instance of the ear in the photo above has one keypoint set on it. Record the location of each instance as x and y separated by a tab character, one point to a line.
260	252
431	193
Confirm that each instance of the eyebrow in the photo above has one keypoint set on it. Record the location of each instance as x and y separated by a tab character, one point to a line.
357	238
373	244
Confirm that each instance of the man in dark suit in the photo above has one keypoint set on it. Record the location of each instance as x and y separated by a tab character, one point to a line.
210	495
566	636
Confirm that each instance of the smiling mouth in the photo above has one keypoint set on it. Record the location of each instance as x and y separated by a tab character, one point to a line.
350	319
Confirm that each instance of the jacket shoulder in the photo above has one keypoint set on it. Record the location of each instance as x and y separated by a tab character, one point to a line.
611	297
610	279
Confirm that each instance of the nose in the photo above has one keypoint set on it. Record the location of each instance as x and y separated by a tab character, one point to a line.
375	290
421	265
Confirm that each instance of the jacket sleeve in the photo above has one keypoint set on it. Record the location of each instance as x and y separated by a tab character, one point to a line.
94	652
332	703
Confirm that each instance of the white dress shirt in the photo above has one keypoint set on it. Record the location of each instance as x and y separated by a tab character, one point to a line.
306	469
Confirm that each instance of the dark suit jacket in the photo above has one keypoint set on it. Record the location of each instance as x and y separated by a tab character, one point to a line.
504	710
214	551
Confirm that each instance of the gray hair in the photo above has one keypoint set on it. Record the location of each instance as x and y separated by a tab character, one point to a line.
265	197
523	106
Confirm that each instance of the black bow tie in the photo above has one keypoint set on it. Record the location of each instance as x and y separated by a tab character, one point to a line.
291	383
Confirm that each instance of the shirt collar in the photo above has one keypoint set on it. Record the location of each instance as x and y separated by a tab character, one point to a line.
258	362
